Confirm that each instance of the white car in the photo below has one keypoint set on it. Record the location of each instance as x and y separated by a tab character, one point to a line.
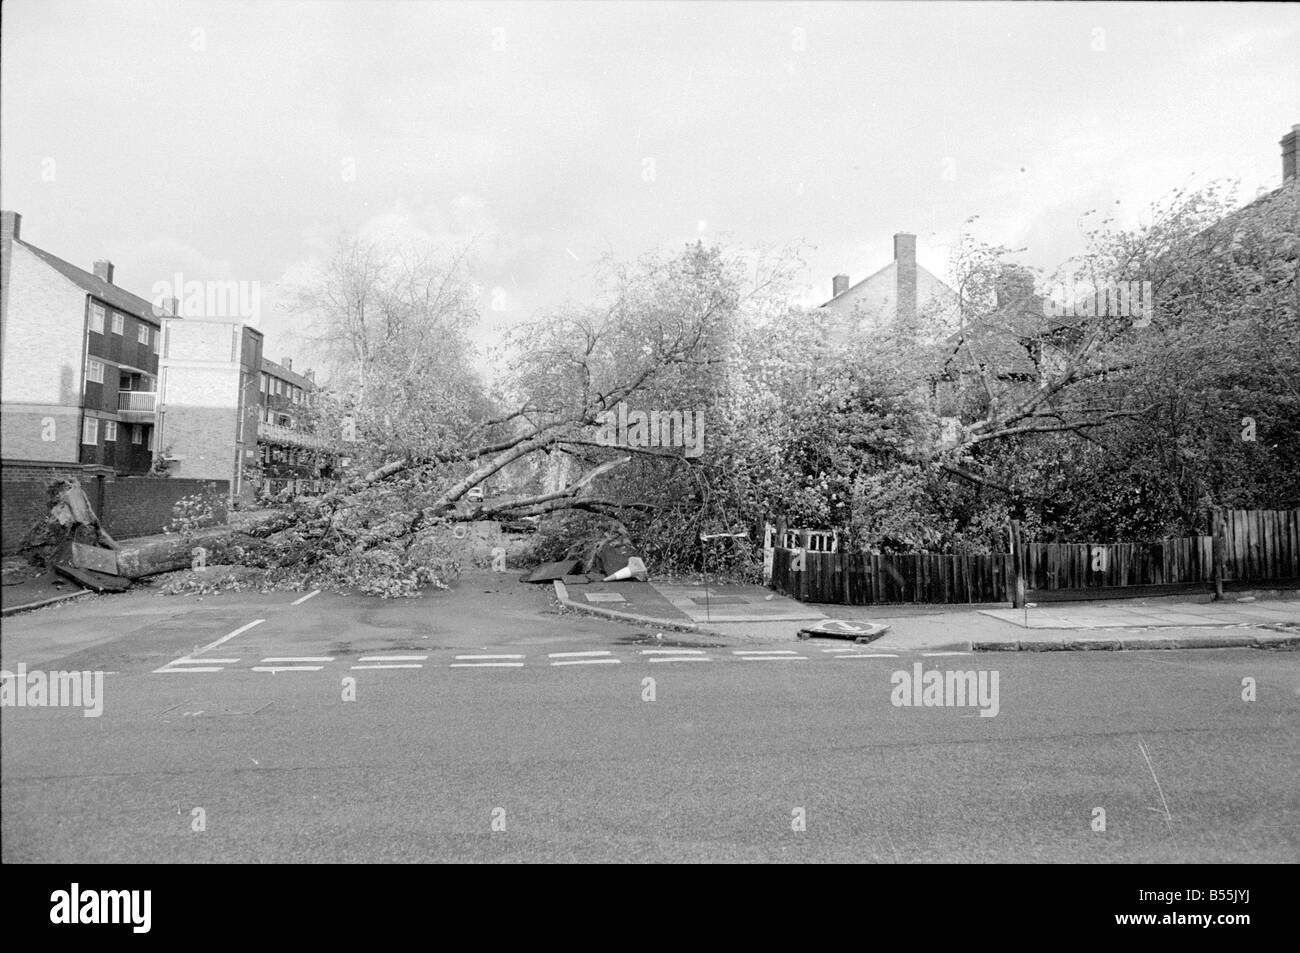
475	495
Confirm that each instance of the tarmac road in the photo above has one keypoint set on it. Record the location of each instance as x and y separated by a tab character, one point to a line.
746	752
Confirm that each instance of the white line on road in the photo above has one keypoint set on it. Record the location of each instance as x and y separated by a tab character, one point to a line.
487	665
590	661
473	657
763	652
401	665
774	658
392	658
226	638
287	668
843	648
672	651
299	658
573	654
682	658
191	668
937	654
867	655
298	602
203	661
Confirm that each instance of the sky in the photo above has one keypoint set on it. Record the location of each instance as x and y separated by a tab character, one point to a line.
239	140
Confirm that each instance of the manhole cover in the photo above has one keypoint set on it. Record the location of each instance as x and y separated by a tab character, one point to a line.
835	628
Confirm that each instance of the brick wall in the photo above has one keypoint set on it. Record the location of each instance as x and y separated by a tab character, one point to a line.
126	506
142	506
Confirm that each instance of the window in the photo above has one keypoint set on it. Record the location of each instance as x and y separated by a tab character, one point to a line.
137	434
142	334
110	430
97	318
263	383
270	416
90	431
279	387
119	323
157	341
94	371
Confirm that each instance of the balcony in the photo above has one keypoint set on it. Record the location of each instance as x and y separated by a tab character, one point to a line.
137	406
284	436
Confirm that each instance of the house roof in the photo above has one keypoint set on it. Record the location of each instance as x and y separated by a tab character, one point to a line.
279	370
110	293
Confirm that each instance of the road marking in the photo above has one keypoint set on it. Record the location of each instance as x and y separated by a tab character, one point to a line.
287	668
672	651
590	661
867	655
938	654
203	661
1143	748
681	658
299	658
191	668
843	648
472	657
392	658
774	658
298	602
226	638
487	665
402	665
574	654
763	652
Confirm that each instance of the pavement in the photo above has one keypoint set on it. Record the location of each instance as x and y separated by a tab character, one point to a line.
750	613
37	590
488	724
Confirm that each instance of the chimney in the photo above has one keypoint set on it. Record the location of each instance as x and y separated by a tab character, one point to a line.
1288	154
10	224
839	285
172	306
104	270
905	259
287	363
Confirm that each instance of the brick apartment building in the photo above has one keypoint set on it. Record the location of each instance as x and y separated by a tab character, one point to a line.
291	455
79	362
228	413
79	359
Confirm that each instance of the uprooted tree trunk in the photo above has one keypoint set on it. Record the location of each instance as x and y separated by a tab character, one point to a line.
70	519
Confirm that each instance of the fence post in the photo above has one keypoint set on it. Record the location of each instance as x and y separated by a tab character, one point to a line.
1217	545
1018	566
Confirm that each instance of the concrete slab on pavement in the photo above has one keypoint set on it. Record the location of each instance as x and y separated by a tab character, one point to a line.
1147	615
735	603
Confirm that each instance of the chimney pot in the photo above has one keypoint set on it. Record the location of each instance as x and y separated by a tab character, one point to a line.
287	362
104	270
839	285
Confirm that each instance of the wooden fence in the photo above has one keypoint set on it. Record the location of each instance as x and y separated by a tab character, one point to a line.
864	579
1261	545
1258	546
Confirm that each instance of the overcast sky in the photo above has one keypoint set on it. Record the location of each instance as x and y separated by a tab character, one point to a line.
216	139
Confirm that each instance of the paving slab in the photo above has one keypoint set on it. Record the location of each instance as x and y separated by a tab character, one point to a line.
1148	615
735	603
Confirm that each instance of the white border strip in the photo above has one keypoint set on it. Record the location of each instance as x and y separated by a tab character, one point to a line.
298	602
224	638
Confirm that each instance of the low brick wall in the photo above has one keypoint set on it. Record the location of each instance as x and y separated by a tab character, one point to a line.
24	496
126	505
142	506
